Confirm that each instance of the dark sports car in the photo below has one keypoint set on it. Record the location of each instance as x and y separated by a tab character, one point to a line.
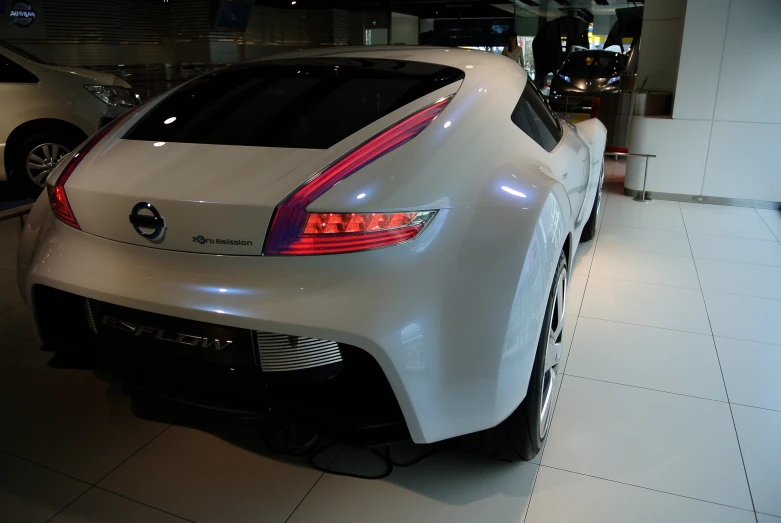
584	75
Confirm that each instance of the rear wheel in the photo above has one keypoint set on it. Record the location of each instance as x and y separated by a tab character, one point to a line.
590	229
37	156
522	434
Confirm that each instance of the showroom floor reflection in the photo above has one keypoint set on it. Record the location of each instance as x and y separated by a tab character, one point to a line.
669	407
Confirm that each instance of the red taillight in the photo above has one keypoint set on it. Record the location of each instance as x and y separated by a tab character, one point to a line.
295	231
329	223
60	206
57	197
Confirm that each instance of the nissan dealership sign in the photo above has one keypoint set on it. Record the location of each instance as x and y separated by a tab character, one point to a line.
22	14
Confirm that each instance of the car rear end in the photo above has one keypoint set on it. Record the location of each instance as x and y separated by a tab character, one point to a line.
231	244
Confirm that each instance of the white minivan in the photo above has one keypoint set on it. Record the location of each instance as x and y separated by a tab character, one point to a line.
47	110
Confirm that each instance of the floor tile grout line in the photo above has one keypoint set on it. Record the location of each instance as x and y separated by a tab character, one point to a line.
631	248
139	449
755	407
95	484
774	240
534	484
752	341
666	285
647	326
640	227
735	237
713	235
96	487
32	462
768	226
756	212
660	391
74	500
735	261
631	227
301	501
678	330
16	335
92	485
738	294
726	390
648	488
652	284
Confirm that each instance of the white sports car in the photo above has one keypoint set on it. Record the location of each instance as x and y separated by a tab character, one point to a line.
375	240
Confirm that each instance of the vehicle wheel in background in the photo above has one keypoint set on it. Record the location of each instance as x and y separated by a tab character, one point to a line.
36	157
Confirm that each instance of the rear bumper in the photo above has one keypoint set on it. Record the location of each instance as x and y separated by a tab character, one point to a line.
452	330
227	380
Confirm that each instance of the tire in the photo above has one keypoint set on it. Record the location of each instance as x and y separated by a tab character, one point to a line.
521	435
48	148
590	229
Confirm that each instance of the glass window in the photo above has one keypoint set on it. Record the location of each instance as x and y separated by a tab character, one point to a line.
522	117
308	104
544	119
13	73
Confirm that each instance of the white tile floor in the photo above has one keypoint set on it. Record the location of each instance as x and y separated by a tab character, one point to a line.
669	407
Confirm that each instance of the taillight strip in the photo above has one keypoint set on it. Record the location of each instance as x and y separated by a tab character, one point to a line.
286	234
56	193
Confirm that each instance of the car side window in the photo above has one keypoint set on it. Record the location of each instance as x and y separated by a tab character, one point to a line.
544	120
522	117
13	73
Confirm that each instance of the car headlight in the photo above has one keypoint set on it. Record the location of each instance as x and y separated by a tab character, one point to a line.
113	95
613	80
565	78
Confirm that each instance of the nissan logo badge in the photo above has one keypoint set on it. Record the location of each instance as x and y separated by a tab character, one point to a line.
22	14
147	222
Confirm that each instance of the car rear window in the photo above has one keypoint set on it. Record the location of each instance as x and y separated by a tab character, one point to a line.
308	104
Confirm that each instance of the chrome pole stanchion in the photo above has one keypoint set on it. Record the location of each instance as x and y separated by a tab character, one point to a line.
639	197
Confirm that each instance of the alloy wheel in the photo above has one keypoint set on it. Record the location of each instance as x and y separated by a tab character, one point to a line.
552	353
43	159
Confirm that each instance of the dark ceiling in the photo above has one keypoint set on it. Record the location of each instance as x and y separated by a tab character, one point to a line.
420	8
458	8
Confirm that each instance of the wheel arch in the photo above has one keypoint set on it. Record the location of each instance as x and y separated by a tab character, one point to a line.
30	127
568	253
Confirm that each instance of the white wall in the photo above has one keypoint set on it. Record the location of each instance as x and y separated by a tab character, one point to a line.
404	29
726	119
700	63
660	44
